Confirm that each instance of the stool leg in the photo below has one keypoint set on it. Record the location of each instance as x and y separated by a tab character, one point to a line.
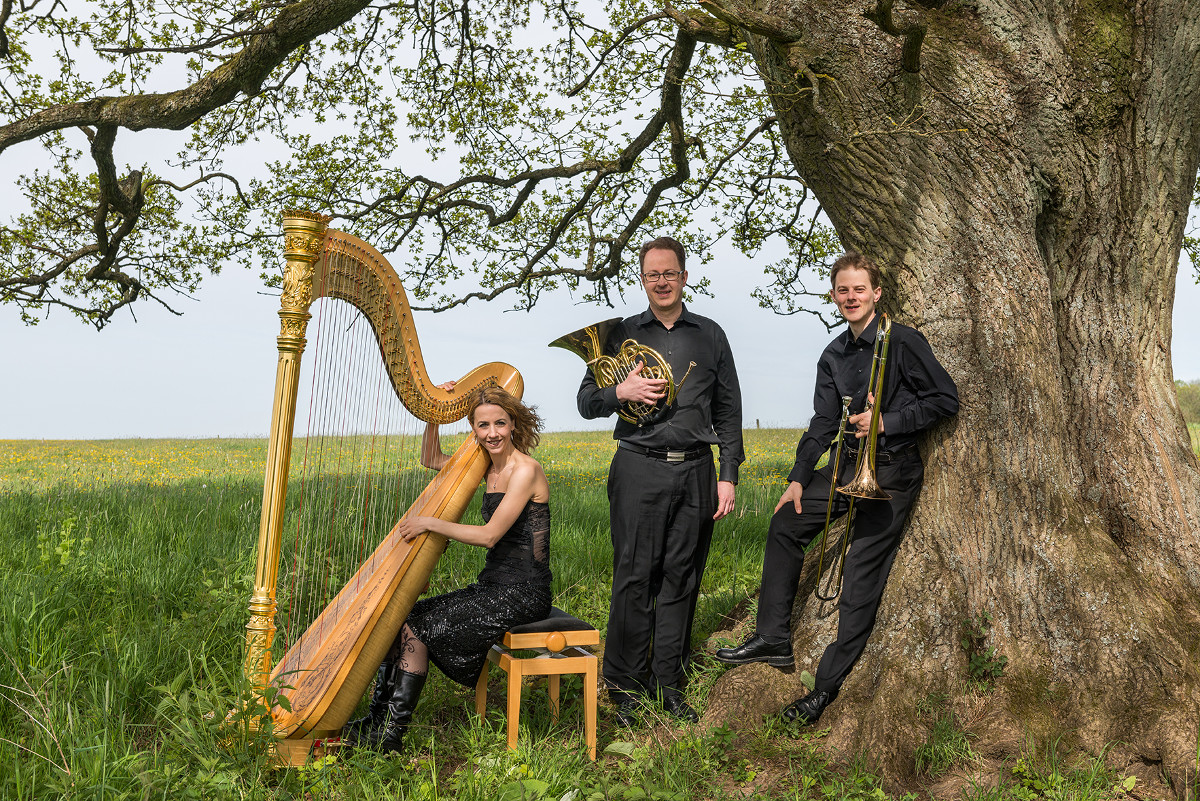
554	697
514	703
481	691
589	707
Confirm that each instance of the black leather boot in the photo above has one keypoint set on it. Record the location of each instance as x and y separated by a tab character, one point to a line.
388	736
378	706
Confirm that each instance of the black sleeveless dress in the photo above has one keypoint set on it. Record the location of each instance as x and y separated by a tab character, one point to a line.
513	588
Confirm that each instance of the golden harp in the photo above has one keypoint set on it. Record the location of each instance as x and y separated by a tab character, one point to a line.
326	670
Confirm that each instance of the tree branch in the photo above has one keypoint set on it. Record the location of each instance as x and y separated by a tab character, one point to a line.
914	34
544	195
704	28
670	117
620	39
5	13
740	15
202	179
199	47
244	72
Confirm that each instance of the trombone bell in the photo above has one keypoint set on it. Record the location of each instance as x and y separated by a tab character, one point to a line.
864	484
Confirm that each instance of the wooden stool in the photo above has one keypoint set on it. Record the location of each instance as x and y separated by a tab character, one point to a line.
559	641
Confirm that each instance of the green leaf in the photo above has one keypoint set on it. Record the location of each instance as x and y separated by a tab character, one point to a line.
619	747
524	789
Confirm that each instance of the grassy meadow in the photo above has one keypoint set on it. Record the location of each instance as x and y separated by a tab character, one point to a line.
128	566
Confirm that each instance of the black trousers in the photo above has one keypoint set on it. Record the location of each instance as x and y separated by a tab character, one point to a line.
661	518
878	526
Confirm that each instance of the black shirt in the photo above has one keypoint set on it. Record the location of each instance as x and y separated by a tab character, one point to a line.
708	408
917	392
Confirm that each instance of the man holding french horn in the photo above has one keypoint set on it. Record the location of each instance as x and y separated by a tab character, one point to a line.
885	402
670	377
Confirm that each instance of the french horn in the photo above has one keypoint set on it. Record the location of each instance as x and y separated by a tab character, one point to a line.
588	343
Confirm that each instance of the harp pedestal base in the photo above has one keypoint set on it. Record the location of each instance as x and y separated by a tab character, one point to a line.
294	752
558	643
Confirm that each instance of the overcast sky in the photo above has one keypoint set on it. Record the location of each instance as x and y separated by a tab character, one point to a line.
211	372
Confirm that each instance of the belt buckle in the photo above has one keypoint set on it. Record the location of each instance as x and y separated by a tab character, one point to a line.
676	456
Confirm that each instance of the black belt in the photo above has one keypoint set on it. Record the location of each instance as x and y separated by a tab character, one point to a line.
888	456
667	456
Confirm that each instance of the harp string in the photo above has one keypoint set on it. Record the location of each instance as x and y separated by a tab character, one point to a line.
340	434
358	470
290	579
349	462
332	432
307	503
335	357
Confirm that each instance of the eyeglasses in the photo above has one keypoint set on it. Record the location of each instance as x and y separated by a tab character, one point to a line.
670	275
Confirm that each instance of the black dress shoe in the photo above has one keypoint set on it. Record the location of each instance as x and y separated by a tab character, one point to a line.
626	713
808	709
757	649
677	707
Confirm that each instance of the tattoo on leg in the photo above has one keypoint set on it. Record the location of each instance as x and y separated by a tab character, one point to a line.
409	653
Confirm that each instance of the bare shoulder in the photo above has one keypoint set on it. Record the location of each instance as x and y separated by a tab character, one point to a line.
530	469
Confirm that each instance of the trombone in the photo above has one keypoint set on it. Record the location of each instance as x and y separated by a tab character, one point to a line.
864	484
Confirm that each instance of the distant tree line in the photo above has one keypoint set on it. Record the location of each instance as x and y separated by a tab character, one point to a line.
1189	399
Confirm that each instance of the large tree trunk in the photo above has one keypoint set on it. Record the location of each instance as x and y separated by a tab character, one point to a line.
1026	192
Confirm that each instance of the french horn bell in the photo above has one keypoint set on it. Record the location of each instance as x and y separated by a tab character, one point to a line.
588	343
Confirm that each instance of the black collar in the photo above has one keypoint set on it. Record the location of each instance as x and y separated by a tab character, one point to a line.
647	318
868	335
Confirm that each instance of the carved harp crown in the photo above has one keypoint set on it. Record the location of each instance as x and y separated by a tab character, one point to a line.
326	671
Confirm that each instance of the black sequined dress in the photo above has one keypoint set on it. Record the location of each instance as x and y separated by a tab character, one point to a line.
513	588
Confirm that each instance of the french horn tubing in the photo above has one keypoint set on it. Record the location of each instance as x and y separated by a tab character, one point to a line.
588	344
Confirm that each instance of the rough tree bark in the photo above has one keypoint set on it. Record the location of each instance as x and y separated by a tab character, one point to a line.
1022	170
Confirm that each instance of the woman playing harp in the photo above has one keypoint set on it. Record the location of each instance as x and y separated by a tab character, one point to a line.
457	629
334	639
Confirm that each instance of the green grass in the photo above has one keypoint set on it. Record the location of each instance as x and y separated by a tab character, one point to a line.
127	570
947	745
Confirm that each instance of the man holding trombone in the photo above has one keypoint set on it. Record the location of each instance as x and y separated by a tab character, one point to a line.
878	470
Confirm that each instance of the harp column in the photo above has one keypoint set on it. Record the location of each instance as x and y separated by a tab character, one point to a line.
303	235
